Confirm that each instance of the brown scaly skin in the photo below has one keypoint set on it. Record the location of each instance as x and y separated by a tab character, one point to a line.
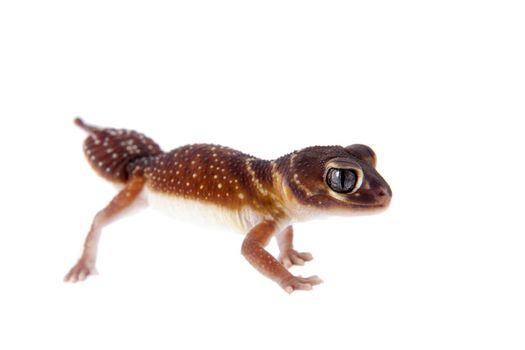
277	193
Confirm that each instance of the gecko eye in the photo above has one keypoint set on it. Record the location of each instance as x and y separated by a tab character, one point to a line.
341	180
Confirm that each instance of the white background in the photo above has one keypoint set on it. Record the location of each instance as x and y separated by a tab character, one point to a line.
436	88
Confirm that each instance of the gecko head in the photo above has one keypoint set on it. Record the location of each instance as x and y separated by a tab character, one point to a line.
335	179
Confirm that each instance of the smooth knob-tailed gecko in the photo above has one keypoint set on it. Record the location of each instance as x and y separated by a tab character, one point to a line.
258	197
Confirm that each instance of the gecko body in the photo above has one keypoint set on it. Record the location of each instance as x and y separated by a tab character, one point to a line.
258	197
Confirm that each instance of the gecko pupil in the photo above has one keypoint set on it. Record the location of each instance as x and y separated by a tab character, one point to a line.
341	180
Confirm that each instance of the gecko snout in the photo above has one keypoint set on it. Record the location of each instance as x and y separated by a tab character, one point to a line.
383	195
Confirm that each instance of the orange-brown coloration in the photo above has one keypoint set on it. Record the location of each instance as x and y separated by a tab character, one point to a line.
289	256
216	175
124	199
253	250
266	197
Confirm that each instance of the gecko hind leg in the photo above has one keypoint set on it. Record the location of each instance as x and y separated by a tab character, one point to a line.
122	201
288	256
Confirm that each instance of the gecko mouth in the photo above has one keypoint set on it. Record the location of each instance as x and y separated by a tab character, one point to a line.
368	206
364	206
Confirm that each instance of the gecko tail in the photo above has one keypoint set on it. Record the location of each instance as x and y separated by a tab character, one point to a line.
81	124
115	153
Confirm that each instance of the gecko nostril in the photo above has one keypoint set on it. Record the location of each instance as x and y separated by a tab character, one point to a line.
381	193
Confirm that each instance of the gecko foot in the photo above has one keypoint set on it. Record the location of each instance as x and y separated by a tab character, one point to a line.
80	271
300	283
293	257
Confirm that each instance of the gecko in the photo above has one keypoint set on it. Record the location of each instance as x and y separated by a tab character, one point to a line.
260	198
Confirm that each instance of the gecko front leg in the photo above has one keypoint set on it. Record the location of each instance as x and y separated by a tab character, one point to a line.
123	200
288	256
253	250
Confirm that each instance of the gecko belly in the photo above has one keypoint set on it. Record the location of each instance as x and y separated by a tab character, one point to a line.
241	220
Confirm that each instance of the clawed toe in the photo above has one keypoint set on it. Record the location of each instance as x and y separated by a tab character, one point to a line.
301	283
80	271
293	257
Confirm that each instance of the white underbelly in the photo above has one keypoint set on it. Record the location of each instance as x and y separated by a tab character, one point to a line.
205	213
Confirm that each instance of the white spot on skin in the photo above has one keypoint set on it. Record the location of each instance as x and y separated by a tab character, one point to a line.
219	185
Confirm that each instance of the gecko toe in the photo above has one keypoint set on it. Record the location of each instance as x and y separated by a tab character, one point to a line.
305	256
286	261
301	283
80	272
293	257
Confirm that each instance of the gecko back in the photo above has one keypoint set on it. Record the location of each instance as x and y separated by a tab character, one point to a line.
112	153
